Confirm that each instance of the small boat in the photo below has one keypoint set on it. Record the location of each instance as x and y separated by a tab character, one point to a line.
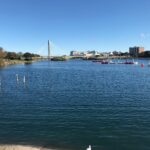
111	62
101	61
129	62
120	62
104	62
136	63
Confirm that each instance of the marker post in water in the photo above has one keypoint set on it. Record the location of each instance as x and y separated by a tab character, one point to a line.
89	148
24	79
0	84
17	78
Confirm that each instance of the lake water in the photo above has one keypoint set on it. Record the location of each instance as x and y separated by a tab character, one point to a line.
70	105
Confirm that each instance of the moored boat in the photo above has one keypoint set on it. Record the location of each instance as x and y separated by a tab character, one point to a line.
104	62
128	62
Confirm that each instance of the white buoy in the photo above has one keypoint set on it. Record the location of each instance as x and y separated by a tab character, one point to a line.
24	79
89	148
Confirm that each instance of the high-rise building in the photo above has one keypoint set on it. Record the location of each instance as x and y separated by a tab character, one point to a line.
76	53
135	51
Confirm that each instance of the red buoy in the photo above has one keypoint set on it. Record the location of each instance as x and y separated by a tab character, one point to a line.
142	65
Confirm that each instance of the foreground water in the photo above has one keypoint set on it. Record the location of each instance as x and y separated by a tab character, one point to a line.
70	105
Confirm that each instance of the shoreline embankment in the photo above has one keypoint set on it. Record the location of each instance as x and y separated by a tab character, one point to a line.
10	62
19	147
6	62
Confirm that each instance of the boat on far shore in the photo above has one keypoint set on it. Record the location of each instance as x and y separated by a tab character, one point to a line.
104	62
129	62
107	61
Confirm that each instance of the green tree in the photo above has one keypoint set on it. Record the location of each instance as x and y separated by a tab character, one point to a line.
11	55
27	56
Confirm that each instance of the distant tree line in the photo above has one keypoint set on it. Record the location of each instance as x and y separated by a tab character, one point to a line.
16	56
144	54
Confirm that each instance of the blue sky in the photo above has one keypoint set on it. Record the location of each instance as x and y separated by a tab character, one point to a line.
103	25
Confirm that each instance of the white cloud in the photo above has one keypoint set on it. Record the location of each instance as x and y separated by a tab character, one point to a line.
144	35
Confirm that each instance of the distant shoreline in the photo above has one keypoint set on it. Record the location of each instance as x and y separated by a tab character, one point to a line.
6	62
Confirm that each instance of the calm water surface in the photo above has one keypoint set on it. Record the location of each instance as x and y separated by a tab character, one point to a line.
69	105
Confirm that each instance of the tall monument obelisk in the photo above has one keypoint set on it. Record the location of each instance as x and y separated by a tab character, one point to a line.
49	53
